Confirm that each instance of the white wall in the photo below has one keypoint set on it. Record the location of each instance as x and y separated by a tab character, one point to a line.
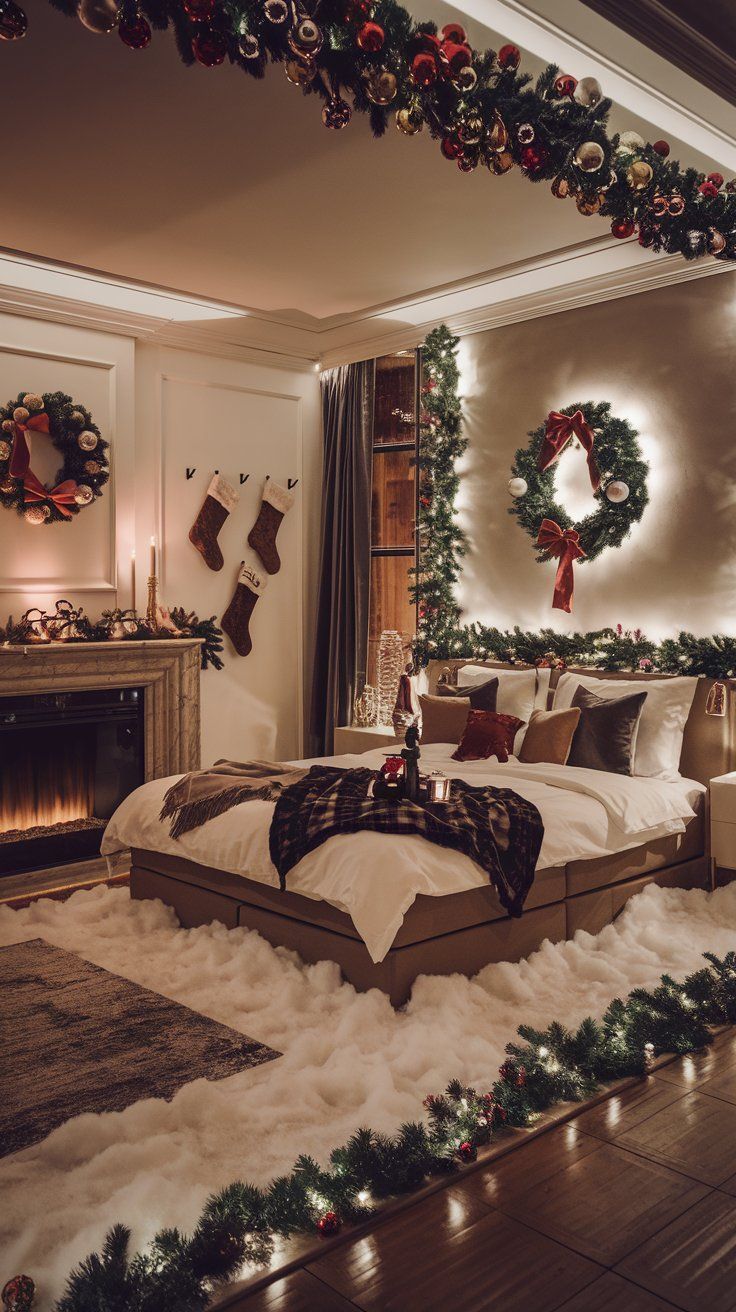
163	410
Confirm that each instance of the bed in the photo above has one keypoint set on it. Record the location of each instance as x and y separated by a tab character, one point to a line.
424	909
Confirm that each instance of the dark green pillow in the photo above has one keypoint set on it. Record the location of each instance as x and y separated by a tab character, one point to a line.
606	734
482	696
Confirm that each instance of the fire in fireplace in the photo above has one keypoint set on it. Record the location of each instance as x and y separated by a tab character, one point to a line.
66	762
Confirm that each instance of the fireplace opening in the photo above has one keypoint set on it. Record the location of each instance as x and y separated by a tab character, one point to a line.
67	760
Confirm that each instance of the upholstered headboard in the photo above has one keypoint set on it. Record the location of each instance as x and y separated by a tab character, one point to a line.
709	741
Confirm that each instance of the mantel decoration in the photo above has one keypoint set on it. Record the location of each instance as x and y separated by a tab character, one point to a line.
180	1272
69	425
69	624
478	104
617	477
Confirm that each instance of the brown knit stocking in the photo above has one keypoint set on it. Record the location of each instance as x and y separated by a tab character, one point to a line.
236	619
220	500
262	537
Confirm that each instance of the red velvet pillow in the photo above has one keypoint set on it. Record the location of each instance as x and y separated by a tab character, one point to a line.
487	733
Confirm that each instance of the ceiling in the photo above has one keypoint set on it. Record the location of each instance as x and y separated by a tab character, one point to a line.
209	182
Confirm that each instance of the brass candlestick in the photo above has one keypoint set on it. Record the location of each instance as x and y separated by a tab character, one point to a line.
152	607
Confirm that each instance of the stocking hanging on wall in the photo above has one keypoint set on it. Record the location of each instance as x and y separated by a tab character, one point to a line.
220	500
236	620
277	501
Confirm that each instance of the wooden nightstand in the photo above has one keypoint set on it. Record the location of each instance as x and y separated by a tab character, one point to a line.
722	824
349	738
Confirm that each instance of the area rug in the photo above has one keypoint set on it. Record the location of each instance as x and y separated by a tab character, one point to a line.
349	1060
85	1040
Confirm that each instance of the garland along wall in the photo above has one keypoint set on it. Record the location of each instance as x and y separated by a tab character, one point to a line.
664	360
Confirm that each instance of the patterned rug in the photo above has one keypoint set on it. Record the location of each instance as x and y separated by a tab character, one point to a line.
80	1039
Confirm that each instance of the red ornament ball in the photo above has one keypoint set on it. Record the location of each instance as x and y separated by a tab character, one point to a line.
662	148
509	56
329	1223
647	235
565	85
466	1152
708	189
533	158
358	11
199	10
454	32
370	37
13	26
18	1294
136	34
451	148
456	56
716	179
623	228
209	47
423	69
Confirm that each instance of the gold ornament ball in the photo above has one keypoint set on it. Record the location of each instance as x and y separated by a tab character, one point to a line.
381	87
20	414
501	162
300	72
617	491
7	486
639	174
560	188
588	92
629	143
498	137
589	205
409	122
36	514
83	495
76	417
5	449
87	441
589	157
33	402
8	425
92	466
716	241
99	16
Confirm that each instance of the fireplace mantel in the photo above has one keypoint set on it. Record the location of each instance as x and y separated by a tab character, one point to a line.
167	670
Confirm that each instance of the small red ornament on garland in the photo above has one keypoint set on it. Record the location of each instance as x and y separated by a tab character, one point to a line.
716	179
451	148
423	69
370	37
662	148
18	1294
454	32
533	159
198	10
329	1223
209	47
135	33
509	57
13	21
623	228
708	189
467	1152
565	85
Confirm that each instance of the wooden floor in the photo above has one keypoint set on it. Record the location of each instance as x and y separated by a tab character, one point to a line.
630	1207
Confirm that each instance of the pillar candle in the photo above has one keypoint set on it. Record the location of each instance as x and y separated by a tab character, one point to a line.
132	579
152	569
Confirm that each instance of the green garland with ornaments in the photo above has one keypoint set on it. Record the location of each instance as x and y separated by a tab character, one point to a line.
182	1273
82	449
374	58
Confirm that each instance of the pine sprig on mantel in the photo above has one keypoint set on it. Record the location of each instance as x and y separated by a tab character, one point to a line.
180	1273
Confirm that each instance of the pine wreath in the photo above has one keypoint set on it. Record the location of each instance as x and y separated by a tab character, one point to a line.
84	469
618	456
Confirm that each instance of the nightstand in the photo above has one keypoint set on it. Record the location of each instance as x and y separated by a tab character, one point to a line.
722	824
355	738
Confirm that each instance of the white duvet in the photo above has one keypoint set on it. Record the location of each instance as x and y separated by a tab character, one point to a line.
375	878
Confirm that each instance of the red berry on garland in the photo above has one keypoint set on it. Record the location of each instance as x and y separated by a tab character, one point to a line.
509	57
13	25
466	1152
623	228
370	37
329	1224
565	85
423	69
18	1294
533	158
662	148
136	34
198	10
716	179
454	32
209	47
451	148
708	189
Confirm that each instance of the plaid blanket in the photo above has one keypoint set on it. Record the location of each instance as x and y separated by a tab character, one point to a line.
496	828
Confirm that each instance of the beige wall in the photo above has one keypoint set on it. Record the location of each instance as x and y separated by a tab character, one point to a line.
667	362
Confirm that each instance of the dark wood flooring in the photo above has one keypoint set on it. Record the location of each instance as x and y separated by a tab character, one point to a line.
629	1207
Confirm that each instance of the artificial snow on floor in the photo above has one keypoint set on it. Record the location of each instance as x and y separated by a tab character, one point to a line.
349	1059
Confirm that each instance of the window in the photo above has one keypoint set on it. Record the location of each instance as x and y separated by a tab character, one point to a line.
394	502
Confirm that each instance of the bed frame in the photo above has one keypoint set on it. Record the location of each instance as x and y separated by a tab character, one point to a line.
464	931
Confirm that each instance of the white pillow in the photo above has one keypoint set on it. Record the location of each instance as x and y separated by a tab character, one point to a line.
519	691
663	717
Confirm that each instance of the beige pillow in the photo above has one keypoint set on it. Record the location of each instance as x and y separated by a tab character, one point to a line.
549	736
444	718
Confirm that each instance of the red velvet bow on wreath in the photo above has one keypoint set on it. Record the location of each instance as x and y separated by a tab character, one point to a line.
33	489
567	546
559	431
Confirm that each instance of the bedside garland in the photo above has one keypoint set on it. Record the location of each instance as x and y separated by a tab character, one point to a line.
478	105
84	470
179	1273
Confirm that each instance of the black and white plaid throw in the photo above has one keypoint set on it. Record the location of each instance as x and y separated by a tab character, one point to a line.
495	827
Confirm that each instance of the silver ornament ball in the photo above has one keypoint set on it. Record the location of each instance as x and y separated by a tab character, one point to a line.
617	491
98	16
588	92
589	157
87	441
518	486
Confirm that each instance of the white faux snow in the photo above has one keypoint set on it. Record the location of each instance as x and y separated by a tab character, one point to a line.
349	1059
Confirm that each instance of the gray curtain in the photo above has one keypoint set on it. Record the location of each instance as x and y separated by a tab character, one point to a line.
342	609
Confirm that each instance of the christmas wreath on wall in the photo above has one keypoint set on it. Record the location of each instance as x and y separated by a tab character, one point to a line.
84	469
617	474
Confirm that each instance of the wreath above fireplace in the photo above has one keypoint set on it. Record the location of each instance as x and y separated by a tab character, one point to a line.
71	429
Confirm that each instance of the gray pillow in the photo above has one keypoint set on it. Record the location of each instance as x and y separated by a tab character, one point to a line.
482	696
606	734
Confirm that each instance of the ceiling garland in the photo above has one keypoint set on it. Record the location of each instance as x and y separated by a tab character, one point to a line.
373	59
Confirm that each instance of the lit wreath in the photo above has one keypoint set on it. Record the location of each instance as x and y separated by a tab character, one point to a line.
618	476
70	427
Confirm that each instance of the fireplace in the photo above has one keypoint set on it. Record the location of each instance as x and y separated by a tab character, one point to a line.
67	760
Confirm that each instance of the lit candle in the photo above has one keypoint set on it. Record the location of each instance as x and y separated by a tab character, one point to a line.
132	579
152	569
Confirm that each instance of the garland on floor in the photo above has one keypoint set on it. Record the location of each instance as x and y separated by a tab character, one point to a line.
478	105
179	1273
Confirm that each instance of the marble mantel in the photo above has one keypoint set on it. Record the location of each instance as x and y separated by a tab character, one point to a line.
167	670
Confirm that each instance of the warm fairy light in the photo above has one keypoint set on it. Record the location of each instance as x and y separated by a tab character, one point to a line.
543	1052
364	1196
